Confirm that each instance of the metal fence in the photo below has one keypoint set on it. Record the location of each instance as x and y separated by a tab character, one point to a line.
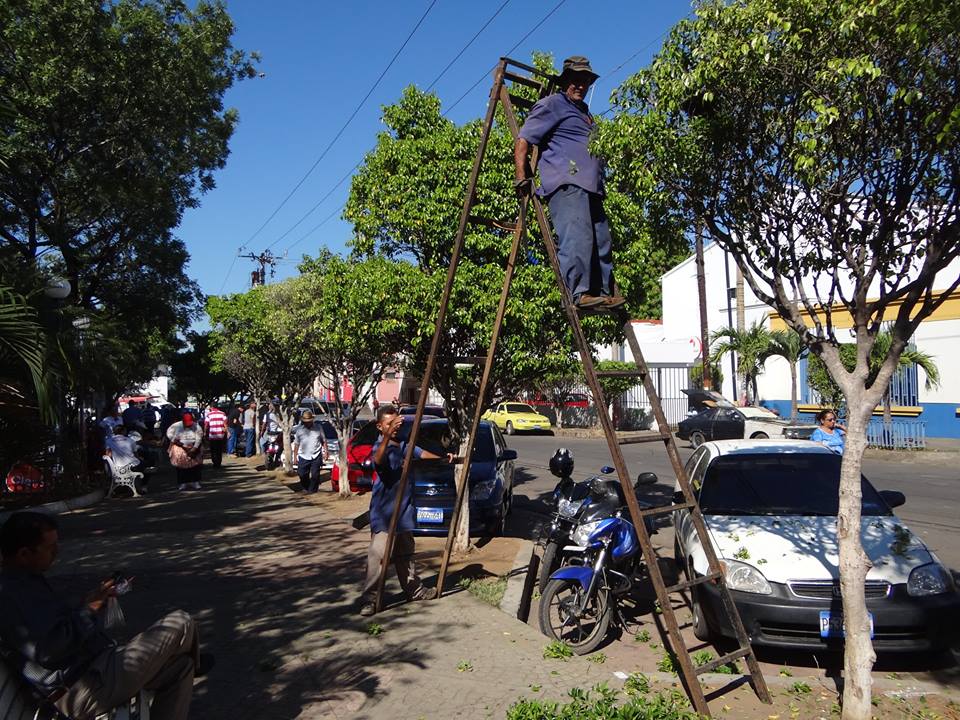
634	407
900	434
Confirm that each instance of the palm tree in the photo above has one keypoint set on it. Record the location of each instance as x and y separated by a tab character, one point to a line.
22	347
909	356
751	346
787	344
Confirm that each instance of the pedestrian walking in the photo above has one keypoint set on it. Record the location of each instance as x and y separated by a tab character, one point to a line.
215	431
249	429
310	452
186	452
571	181
269	424
235	427
388	455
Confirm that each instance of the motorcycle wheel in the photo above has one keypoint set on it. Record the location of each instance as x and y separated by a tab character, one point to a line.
548	565
562	617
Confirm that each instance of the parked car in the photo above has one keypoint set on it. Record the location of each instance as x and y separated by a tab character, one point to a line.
514	417
491	476
770	507
718	419
333	444
431	410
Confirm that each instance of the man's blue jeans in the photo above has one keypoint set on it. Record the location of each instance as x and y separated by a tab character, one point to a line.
232	437
585	247
248	442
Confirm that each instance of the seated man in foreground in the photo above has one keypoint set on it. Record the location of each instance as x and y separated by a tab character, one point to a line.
63	652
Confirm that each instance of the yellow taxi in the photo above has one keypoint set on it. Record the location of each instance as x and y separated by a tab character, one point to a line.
514	417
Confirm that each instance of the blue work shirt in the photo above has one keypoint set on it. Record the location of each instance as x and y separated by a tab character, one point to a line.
384	495
834	441
561	128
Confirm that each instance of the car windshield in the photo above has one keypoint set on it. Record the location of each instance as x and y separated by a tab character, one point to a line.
519	408
779	484
329	431
435	437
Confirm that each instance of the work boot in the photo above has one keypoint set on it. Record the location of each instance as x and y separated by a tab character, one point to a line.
588	302
612	302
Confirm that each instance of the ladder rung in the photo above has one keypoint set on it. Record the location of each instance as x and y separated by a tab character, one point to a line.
664	509
520	101
521	80
702	580
723	660
488	222
621	373
642	439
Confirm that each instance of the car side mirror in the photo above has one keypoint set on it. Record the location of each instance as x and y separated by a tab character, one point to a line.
678	498
647	478
893	498
508	455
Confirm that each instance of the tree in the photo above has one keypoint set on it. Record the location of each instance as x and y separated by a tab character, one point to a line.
557	384
787	344
614	387
107	140
818	143
716	374
196	372
751	346
357	317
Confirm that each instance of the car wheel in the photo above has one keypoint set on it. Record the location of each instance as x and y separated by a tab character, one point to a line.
697	439
760	436
699	620
677	553
510	430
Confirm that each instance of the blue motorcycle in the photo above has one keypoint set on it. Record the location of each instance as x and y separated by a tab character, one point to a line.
604	563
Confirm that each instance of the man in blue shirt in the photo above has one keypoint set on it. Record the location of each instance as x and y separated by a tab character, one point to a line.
571	182
388	455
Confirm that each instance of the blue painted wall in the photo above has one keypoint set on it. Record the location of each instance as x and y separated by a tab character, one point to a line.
941	418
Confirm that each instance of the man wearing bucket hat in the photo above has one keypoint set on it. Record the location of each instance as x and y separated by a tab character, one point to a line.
309	450
572	184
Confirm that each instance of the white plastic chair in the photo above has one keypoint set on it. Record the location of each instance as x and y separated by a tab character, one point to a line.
121	476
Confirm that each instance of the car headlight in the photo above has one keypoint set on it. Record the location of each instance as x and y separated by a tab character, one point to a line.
581	536
930	579
483	489
791	433
746	578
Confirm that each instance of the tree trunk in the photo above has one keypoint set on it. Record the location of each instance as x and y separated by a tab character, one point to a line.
743	382
793	391
558	411
859	656
461	540
286	419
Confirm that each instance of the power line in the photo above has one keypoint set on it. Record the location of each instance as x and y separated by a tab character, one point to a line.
346	124
469	43
507	53
227	276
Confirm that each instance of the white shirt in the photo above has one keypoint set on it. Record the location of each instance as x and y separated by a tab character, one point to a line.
272	422
309	441
249	419
187	436
123	449
109	423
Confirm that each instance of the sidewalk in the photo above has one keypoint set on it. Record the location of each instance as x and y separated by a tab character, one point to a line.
272	579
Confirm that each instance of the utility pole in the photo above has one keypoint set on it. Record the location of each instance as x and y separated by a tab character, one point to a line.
259	276
704	329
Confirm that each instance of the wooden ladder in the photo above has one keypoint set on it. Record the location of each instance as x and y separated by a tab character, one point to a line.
508	75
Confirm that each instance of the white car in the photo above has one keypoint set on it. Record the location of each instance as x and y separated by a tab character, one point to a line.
770	507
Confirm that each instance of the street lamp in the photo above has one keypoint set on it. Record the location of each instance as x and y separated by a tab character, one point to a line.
57	288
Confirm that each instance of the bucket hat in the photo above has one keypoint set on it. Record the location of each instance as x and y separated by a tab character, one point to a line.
575	64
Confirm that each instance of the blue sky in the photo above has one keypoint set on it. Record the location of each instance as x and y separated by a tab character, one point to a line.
319	59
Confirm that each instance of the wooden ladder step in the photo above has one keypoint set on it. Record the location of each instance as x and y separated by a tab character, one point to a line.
664	509
702	580
643	439
521	102
468	360
498	224
723	660
522	80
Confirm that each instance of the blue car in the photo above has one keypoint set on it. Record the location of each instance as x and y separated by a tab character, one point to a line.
491	480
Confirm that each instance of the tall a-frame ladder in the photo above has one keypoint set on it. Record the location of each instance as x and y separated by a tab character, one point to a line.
511	74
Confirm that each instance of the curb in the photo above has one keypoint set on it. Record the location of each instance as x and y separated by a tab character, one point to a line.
58	507
510	602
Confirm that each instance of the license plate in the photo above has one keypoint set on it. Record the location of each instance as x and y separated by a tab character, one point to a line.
429	515
832	626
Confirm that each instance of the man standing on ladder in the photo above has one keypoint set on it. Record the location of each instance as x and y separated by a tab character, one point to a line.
571	182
